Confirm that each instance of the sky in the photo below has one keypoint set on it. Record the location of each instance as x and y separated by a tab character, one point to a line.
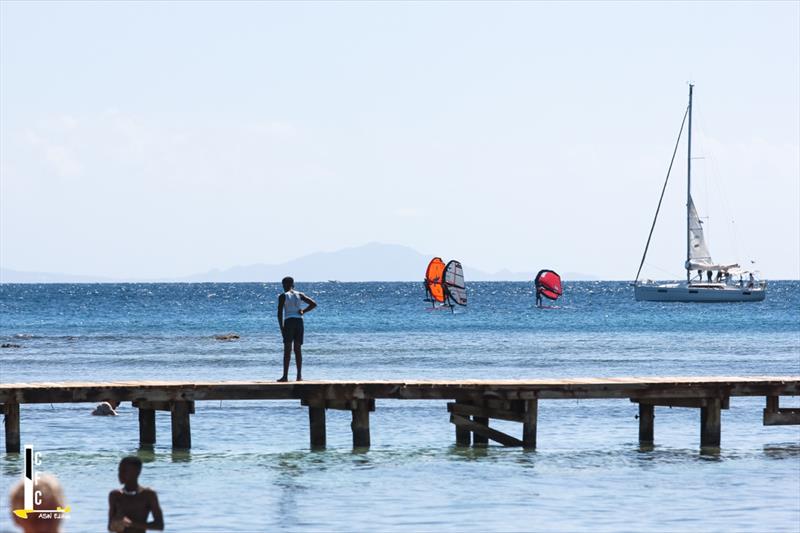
166	139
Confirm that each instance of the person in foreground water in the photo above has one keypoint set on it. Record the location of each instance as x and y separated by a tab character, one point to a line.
290	320
130	506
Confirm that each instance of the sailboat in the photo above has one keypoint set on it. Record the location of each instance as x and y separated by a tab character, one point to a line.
731	283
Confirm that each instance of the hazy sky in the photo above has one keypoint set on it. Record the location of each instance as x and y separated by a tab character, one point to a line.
156	139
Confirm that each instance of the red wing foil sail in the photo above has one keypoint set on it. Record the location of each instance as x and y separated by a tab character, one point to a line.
548	284
434	277
454	283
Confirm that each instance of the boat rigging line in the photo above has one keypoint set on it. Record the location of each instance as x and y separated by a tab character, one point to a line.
661	198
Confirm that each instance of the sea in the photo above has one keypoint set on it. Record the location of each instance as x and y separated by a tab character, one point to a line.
251	468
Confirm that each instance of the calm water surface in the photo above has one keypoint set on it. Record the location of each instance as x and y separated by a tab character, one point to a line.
251	470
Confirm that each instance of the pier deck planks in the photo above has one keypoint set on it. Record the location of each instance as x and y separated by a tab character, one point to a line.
630	387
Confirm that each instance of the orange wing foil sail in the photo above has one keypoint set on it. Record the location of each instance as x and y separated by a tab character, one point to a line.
434	276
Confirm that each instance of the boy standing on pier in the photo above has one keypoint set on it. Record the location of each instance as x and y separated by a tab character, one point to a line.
130	506
290	320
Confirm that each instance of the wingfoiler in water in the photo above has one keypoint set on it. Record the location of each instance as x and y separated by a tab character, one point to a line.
454	286
434	278
444	284
548	284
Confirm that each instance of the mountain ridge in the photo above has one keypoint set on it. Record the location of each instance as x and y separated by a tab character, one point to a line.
369	262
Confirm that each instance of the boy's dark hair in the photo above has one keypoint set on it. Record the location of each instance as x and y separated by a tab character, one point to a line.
288	281
133	461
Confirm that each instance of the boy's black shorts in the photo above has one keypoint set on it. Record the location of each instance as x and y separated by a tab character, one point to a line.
293	331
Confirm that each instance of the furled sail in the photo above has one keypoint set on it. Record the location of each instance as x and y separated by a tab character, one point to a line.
699	256
454	283
434	276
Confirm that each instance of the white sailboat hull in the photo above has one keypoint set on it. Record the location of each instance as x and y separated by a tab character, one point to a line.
715	292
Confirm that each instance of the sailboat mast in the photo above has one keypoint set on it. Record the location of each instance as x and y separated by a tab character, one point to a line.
689	190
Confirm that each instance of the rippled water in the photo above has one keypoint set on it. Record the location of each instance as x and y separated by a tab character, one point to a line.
250	468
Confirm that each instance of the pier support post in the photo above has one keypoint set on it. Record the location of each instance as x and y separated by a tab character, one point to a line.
710	423
774	415
316	422
773	403
11	419
181	430
147	427
360	424
529	424
480	440
646	423
463	436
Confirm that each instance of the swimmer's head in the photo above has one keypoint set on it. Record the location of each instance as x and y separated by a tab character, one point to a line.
129	469
104	409
52	497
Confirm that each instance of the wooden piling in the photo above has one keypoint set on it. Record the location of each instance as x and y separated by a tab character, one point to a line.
463	436
147	427
316	423
360	424
774	415
181	429
529	424
646	423
477	438
11	419
773	403
710	423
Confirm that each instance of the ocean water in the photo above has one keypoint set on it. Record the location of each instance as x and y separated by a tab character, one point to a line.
250	468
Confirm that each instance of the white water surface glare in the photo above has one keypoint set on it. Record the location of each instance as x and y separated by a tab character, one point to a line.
251	468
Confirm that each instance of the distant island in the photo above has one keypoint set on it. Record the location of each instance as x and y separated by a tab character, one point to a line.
369	262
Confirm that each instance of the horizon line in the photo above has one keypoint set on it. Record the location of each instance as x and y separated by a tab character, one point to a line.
151	282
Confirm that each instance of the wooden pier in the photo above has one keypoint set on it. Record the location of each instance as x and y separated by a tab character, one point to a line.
473	403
